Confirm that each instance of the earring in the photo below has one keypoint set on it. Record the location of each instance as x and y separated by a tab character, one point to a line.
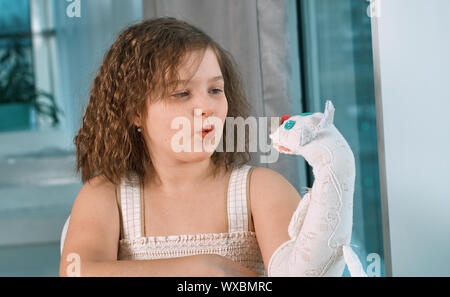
139	129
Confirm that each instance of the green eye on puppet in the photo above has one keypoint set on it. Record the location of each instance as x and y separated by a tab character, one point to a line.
289	124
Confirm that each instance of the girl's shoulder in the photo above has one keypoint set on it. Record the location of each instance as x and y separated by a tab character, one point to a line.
99	184
94	227
97	191
265	174
268	182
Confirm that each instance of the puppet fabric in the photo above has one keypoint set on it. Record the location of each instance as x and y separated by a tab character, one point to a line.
320	228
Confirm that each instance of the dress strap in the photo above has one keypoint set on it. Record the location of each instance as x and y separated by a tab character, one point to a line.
238	201
131	213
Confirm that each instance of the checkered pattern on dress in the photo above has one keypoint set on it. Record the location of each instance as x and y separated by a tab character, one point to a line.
237	200
130	199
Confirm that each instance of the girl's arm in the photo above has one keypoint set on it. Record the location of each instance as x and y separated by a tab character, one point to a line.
91	244
181	267
197	265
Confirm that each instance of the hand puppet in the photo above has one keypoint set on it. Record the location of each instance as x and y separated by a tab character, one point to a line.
320	228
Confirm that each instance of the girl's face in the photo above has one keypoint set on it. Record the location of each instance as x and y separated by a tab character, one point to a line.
204	91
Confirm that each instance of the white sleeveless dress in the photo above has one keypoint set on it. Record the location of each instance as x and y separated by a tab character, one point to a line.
238	244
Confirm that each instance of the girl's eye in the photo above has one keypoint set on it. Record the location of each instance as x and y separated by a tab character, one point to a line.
179	95
218	91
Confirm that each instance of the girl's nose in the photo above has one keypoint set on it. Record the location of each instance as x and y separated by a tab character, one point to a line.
199	111
204	103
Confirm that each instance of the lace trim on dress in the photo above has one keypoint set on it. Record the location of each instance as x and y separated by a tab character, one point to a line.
190	238
241	247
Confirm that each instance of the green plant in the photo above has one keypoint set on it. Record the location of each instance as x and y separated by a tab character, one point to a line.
17	83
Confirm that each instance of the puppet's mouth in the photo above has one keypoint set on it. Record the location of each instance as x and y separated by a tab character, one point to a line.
281	148
278	146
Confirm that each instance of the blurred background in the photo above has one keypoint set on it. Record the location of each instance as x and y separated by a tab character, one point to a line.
293	55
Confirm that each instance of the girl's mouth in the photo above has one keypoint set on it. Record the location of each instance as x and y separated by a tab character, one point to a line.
207	131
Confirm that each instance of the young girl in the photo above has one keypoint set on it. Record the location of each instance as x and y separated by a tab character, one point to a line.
147	210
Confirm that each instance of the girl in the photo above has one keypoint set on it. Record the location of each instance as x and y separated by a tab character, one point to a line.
148	210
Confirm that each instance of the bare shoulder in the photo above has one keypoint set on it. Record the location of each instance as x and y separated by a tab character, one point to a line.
266	182
98	189
98	193
96	200
273	202
94	227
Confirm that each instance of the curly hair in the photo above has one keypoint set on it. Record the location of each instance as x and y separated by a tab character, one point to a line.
134	72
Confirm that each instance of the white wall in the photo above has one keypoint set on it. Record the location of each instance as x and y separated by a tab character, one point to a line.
412	68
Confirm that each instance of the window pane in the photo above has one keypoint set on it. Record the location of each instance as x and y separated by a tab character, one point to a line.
337	66
14	16
38	183
17	81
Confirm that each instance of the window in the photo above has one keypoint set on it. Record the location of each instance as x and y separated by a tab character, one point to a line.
16	73
38	184
26	97
336	56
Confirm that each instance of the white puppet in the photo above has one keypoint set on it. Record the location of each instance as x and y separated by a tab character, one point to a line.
320	228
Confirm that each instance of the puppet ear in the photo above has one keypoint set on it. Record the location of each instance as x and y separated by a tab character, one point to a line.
306	135
328	116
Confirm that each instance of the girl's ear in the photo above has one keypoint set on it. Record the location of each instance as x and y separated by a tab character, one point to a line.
138	120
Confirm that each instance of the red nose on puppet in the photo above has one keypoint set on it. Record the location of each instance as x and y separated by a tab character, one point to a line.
284	118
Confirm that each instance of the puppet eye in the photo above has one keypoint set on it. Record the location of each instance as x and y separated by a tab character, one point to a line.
289	124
